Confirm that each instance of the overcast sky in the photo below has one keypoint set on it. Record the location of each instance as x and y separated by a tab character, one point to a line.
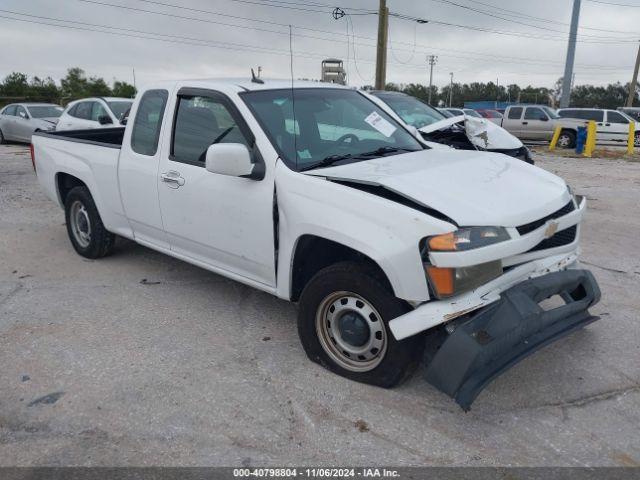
202	46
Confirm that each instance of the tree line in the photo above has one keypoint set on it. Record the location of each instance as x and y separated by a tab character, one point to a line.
610	96
18	87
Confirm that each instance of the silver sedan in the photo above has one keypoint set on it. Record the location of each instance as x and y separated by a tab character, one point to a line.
18	121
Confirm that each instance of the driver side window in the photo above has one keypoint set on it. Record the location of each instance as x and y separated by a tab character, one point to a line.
535	114
201	121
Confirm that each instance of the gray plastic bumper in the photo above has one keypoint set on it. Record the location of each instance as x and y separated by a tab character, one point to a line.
503	333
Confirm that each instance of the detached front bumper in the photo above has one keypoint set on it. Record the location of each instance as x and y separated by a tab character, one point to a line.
505	332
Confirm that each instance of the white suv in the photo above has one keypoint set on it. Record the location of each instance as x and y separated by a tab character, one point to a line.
612	125
98	112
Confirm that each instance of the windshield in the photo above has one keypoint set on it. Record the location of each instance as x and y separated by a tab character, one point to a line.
329	126
551	112
471	113
120	107
45	111
411	110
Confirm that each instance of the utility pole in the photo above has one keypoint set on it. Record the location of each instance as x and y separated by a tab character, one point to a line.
634	82
381	54
432	59
571	55
450	89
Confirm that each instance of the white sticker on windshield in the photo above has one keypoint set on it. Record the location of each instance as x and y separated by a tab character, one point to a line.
380	124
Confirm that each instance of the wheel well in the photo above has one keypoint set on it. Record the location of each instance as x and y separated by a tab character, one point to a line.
66	183
315	253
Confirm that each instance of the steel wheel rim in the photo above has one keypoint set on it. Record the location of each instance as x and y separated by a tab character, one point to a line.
80	224
564	141
334	310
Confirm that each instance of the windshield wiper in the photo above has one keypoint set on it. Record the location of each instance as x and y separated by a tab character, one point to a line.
327	161
383	151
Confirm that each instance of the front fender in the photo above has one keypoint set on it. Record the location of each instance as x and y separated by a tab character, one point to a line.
385	231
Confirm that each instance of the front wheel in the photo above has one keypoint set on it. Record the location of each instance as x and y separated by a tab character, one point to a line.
2	139
567	139
86	231
343	326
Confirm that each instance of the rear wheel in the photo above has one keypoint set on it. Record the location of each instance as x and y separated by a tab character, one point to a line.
567	139
343	326
86	231
636	140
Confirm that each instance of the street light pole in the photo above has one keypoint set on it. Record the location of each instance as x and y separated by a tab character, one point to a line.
571	55
634	82
432	59
450	89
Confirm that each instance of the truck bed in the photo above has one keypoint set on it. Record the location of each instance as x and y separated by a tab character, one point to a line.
106	137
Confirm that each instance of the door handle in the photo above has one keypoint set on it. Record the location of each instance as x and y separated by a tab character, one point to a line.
525	123
607	124
172	179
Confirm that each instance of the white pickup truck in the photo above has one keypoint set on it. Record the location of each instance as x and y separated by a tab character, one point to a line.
314	193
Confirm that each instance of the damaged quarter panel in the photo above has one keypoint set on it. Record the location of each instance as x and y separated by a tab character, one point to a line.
385	231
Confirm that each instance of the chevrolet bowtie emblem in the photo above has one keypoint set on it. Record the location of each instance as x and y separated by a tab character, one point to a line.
551	230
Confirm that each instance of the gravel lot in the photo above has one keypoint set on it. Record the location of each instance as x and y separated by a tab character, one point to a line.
140	359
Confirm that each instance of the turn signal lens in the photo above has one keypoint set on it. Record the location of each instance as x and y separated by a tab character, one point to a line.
467	239
441	280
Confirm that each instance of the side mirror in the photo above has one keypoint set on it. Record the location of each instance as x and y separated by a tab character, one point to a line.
104	120
232	159
22	114
544	119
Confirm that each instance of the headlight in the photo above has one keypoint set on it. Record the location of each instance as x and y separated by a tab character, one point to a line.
466	239
447	282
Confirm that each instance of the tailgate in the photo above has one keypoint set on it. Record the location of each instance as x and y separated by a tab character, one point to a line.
507	331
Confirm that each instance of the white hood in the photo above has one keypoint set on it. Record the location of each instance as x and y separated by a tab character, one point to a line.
481	132
472	188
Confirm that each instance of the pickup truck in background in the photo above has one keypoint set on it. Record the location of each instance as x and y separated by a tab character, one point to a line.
394	251
538	122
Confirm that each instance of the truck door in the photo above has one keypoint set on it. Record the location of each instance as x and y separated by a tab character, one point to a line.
536	124
512	122
221	221
138	169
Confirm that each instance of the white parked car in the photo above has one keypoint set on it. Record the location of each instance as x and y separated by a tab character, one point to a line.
98	112
611	125
463	111
462	132
18	121
315	194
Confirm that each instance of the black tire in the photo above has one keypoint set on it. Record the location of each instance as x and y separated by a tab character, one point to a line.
100	242
2	139
399	358
636	140
567	139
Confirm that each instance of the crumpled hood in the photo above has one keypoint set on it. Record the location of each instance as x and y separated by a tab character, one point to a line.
472	188
480	131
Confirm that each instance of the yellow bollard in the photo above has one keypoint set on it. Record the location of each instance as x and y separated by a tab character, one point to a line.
590	145
556	136
632	137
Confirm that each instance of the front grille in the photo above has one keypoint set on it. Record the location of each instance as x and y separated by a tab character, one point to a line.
563	237
530	227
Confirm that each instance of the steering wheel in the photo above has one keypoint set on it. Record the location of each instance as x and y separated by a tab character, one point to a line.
345	137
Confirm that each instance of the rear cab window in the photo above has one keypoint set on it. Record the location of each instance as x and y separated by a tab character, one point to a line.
515	113
148	121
